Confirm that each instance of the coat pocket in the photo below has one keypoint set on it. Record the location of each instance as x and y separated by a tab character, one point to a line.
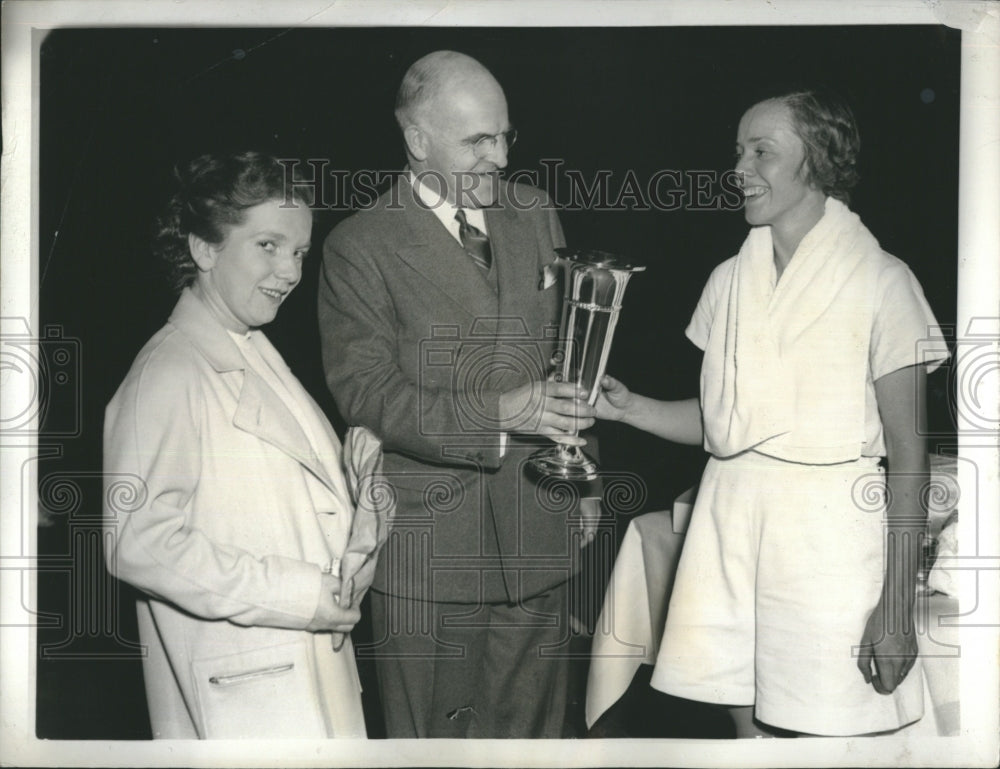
262	693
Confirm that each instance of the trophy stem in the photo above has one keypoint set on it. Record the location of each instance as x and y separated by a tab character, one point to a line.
563	461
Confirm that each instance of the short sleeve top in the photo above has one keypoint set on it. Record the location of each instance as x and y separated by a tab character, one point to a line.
904	331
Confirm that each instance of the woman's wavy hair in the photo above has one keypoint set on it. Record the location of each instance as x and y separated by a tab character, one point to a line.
826	125
213	193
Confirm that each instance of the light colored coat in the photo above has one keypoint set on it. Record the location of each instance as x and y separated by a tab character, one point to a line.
224	537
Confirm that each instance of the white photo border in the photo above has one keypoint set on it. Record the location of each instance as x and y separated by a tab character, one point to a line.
24	26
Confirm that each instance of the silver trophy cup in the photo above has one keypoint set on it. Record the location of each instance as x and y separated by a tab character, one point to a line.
593	287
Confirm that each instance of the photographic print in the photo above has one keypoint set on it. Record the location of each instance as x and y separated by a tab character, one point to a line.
632	361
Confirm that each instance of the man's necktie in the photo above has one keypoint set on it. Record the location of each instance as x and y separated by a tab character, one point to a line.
475	242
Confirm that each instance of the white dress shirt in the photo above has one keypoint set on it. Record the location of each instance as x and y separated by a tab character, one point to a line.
446	211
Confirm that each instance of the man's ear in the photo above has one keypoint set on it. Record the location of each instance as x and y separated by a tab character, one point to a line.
416	142
202	252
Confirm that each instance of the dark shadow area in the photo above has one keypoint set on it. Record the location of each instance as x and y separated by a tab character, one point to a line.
645	712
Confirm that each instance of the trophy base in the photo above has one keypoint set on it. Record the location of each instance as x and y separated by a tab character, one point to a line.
566	462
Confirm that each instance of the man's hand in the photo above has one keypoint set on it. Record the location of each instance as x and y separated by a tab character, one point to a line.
555	409
887	653
330	615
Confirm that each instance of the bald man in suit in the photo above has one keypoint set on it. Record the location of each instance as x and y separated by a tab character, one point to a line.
438	318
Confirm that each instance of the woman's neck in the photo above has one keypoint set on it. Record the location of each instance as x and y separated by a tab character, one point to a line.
785	238
209	295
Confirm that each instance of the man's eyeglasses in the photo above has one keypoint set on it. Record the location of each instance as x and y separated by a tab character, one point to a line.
484	145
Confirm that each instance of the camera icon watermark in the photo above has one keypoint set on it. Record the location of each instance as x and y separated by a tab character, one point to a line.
42	377
496	354
973	370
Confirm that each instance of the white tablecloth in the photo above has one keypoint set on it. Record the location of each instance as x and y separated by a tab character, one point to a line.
938	642
635	609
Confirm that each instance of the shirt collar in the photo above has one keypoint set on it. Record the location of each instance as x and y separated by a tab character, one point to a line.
445	211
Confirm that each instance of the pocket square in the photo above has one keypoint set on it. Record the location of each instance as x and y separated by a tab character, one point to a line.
548	277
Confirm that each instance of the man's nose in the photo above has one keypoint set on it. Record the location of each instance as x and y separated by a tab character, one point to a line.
498	155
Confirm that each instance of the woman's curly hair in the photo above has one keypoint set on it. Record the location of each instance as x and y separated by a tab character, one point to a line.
826	125
213	194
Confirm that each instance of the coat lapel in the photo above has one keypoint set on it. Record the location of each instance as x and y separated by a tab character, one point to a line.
515	258
262	413
259	411
432	252
319	420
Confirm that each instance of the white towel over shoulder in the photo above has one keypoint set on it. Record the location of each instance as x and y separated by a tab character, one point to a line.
785	366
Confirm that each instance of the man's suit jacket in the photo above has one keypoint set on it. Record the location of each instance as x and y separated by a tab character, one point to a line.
208	511
418	344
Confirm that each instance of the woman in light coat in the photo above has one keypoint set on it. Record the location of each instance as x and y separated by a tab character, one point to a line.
239	510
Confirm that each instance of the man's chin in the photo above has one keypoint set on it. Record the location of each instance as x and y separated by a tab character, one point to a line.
482	194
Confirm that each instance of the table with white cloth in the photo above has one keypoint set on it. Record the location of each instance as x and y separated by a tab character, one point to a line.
631	622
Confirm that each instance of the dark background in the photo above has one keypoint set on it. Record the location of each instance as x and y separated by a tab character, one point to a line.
118	108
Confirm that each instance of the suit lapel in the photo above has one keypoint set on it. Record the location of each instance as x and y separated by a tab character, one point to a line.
432	252
514	256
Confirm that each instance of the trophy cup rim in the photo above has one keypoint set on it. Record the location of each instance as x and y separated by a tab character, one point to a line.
601	259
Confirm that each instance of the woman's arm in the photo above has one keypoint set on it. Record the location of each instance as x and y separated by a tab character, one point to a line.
678	421
889	640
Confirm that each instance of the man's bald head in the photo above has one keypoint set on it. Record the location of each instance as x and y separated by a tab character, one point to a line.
437	73
453	115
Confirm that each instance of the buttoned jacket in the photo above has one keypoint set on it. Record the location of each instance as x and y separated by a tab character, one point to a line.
418	343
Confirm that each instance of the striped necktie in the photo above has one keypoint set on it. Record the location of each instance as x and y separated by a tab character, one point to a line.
475	242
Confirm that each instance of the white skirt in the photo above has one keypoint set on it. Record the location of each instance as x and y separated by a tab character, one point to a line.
781	568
